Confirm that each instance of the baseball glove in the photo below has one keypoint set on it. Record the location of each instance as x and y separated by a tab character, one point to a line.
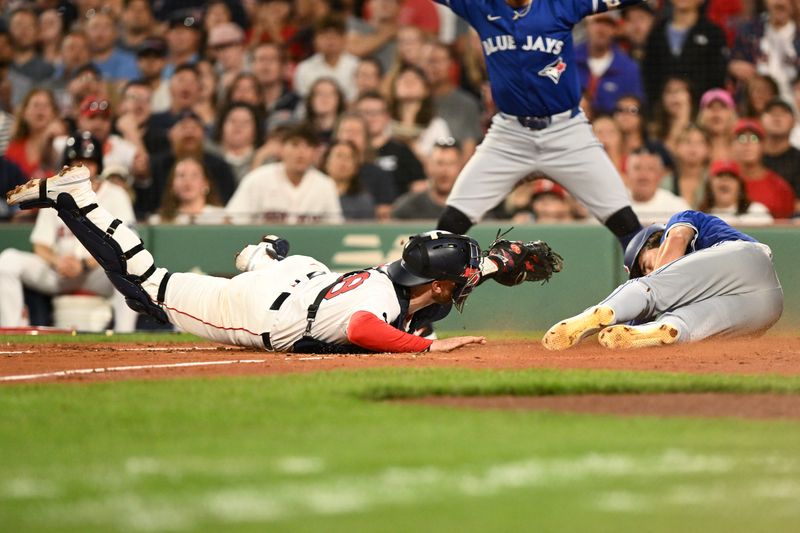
519	261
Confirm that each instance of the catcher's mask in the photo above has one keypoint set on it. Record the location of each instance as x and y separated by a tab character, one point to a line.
439	255
635	247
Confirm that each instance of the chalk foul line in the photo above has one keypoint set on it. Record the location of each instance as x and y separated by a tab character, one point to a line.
82	371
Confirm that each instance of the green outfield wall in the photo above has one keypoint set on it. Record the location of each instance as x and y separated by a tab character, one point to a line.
592	263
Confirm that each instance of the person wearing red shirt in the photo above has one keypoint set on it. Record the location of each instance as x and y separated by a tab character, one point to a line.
762	184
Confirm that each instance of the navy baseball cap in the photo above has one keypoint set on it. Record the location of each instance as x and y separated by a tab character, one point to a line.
634	248
152	46
184	18
188	114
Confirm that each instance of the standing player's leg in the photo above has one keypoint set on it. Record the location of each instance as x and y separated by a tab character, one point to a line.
505	156
572	156
731	288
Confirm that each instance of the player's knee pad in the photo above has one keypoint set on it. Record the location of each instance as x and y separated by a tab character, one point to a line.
108	253
454	221
624	224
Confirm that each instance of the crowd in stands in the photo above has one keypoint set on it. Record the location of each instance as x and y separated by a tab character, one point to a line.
324	111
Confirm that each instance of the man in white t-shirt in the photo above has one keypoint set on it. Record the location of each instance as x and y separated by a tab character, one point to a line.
59	263
650	203
330	60
291	191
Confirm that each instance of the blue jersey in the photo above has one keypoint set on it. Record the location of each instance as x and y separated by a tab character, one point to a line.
709	230
529	56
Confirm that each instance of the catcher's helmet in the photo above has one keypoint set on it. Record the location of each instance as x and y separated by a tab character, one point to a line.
439	255
83	146
634	248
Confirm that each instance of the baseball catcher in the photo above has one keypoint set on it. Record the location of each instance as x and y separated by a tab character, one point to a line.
292	303
694	278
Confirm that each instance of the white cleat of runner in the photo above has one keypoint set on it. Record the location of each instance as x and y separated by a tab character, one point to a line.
616	337
571	331
75	181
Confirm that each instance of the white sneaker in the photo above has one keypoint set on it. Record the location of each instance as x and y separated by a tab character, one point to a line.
571	331
42	192
652	334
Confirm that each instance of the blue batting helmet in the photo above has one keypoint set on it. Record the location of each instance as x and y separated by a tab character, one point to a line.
635	247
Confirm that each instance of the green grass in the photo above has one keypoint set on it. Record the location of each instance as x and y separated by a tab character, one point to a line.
317	452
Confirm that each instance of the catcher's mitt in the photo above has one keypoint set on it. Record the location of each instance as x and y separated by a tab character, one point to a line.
518	261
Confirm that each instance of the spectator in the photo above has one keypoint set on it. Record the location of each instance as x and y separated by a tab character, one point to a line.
341	163
206	105
474	78
114	63
762	184
238	133
629	117
96	117
245	88
692	155
133	122
377	35
442	167
151	58
186	139
86	82
610	136
74	54
274	24
549	204
420	14
184	90
392	155
780	156
23	24
795	136
606	72
760	90
768	46
651	203
409	49
215	13
291	191
10	176
36	125
50	35
684	44
59	263
330	60
726	197
717	117
138	23
280	101
189	197
413	114
226	40
323	105
377	182
674	112
459	109
368	76
183	41
637	23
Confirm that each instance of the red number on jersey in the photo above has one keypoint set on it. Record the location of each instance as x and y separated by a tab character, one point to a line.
347	285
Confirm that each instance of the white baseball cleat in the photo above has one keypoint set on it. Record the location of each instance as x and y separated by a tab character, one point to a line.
42	192
653	334
571	331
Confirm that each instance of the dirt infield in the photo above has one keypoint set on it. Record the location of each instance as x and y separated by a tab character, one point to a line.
82	363
770	355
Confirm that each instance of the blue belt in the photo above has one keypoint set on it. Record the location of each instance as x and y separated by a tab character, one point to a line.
540	123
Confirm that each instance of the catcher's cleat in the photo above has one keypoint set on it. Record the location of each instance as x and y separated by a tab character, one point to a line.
256	256
642	336
571	331
42	192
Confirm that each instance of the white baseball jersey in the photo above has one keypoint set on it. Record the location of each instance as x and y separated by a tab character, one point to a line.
267	193
241	309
